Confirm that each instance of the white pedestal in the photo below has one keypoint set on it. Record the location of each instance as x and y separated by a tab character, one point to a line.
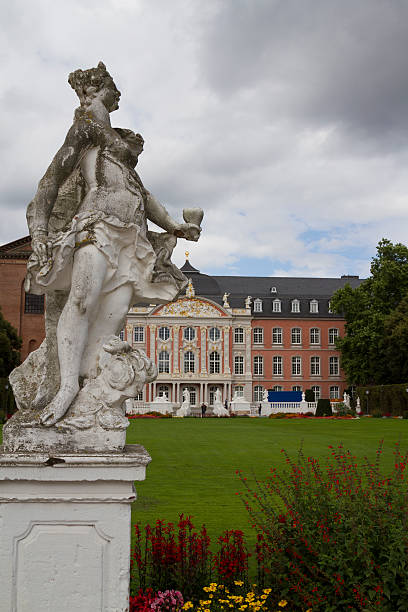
65	530
266	409
241	406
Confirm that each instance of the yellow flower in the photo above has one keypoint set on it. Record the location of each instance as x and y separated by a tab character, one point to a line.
238	582
188	605
267	591
283	603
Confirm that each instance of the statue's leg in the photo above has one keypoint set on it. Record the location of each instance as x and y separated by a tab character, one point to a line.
111	317
88	274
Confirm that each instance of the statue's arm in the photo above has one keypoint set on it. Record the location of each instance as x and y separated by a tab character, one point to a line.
157	213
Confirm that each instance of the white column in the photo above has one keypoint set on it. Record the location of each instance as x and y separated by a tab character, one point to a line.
248	364
204	350
227	369
153	343
176	331
65	531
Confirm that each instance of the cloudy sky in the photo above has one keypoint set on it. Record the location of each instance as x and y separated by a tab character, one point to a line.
285	120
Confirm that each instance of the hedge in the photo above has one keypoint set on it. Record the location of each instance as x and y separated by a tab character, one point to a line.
385	399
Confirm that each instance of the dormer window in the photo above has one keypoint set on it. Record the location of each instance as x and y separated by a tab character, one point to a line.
295	306
273	289
277	306
314	306
257	305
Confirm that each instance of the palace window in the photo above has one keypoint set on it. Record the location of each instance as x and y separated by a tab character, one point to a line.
257	305
214	334
239	391
296	366
315	366
333	335
34	304
334	366
315	335
238	364
163	389
314	306
258	365
296	335
295	306
212	390
139	397
258	393
277	388
277	335
296	388
239	335
164	362
277	365
164	333
258	335
215	363
334	392
138	334
276	305
189	334
193	395
189	362
316	391
122	334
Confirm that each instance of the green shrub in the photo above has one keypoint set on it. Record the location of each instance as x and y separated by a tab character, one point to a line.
388	399
333	537
323	408
342	410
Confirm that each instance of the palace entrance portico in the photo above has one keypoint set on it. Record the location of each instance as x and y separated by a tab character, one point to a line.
200	392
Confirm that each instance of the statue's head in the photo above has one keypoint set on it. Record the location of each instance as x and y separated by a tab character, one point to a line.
134	141
92	82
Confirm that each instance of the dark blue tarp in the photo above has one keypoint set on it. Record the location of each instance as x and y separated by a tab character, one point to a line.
284	396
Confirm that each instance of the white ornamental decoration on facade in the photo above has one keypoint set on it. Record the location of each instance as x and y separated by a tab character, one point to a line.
189	307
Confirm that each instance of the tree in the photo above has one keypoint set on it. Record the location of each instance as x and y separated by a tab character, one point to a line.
367	310
10	345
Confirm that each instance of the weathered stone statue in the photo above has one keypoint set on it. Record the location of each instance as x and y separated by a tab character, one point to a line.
93	257
185	408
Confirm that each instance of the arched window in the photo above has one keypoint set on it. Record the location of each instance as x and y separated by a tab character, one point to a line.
239	391
189	362
215	361
315	335
333	366
164	389
257	305
189	333
296	388
296	366
314	306
214	334
277	335
334	392
315	366
258	335
164	362
277	388
239	335
277	305
277	365
295	306
296	335
213	390
122	334
333	335
258	365
164	333
238	364
316	391
258	393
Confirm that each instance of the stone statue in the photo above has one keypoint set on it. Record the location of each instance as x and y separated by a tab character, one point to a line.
346	400
218	408
184	410
265	397
248	301
225	300
93	255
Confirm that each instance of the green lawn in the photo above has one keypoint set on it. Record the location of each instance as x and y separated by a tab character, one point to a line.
194	461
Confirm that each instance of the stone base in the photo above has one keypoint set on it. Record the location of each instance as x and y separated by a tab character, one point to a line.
24	432
241	407
65	530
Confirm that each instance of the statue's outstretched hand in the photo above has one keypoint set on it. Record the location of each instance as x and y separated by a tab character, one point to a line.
189	231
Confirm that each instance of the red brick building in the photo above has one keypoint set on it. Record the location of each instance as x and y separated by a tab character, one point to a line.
233	333
24	311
